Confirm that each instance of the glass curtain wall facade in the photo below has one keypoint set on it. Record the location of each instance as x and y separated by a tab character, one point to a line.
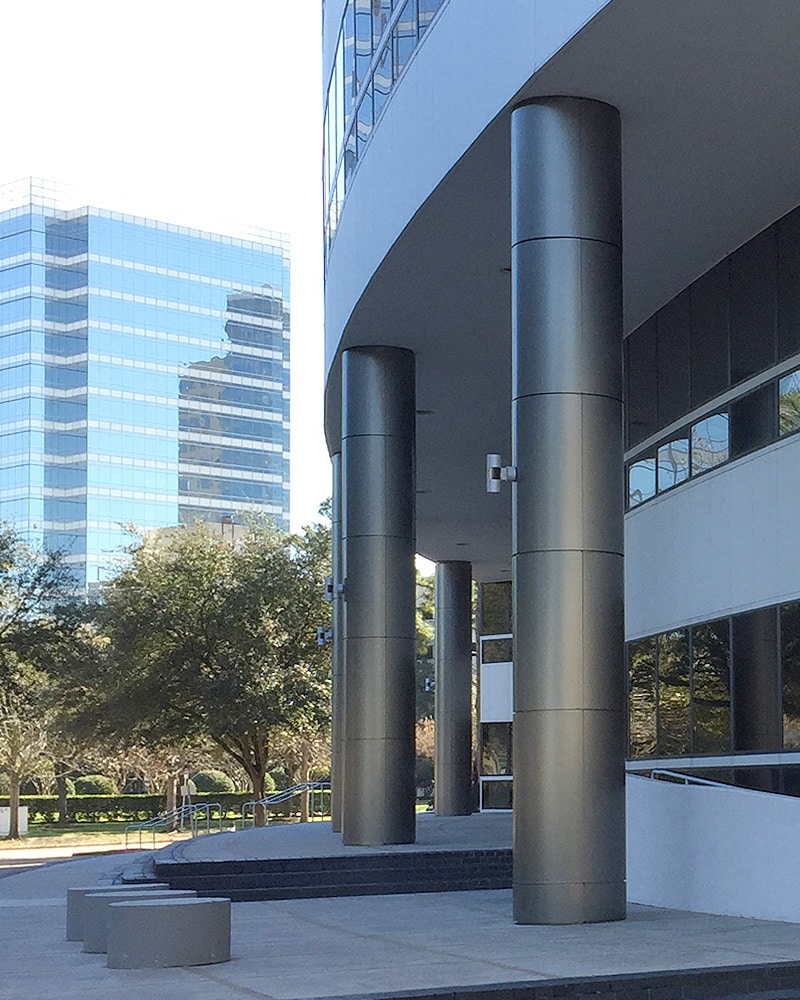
145	377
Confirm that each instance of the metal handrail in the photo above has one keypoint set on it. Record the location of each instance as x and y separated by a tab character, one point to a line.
178	817
686	779
283	796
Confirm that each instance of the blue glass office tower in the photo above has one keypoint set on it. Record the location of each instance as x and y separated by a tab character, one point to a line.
144	375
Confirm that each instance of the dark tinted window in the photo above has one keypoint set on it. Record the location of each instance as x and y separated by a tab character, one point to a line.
754	291
710	307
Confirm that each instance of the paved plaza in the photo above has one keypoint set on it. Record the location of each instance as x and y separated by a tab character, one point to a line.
367	945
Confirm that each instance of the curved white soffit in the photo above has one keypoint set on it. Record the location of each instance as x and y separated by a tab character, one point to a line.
464	72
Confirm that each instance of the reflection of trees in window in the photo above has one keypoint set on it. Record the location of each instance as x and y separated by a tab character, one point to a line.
673	463
674	731
496	748
642	699
495	608
641	481
710	439
711	693
790	668
789	403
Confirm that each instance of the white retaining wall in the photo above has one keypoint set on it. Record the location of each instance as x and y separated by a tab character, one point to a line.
713	850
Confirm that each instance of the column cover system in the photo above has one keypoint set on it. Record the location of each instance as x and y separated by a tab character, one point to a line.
453	658
378	545
567	513
337	666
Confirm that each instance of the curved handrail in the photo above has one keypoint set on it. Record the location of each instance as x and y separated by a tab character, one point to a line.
283	796
686	779
177	817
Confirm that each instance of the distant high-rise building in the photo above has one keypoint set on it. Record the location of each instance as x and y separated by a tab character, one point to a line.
144	376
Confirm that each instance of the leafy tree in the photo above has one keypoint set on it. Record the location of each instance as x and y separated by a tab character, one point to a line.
37	605
24	740
424	666
202	639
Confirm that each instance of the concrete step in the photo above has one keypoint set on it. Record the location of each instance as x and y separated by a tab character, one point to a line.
305	878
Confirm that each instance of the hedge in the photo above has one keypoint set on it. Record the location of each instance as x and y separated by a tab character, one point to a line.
135	808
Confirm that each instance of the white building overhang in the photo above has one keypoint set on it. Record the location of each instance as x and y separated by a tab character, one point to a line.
707	91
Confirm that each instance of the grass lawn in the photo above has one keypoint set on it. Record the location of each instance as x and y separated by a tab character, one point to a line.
87	835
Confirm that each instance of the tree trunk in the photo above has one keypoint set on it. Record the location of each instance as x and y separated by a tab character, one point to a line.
305	767
61	789
257	778
171	796
13	801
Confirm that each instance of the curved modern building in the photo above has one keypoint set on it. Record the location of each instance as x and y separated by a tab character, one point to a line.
563	324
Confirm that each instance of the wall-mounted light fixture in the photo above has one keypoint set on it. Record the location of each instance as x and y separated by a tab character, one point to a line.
497	473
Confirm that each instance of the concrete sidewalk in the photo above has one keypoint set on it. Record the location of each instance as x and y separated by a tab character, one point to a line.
362	945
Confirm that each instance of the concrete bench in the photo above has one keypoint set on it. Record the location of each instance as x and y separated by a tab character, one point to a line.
163	933
75	902
96	906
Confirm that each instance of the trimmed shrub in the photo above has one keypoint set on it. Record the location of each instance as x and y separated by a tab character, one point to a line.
95	784
213	781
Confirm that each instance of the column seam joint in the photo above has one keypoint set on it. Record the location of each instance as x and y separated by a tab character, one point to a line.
579	239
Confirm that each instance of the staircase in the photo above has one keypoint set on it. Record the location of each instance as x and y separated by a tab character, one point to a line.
352	875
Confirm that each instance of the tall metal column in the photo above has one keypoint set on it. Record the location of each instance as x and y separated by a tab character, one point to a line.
338	678
757	717
453	660
378	543
569	680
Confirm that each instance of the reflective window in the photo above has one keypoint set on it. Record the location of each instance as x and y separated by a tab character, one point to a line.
365	32
790	670
789	403
382	80
363	39
494	608
642	697
404	37
365	117
497	795
641	481
753	420
673	463
711	694
674	688
497	650
496	748
427	10
709	442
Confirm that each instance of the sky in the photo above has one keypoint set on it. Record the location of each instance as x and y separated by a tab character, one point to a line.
203	114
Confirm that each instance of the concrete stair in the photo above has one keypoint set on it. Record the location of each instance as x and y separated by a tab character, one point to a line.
351	875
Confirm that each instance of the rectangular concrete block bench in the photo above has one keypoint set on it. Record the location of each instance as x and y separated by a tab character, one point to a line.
96	906
75	902
163	933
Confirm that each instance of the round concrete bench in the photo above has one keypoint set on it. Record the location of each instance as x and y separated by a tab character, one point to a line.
76	895
96	906
161	933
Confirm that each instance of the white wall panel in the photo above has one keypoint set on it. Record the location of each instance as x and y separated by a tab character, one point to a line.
726	542
497	692
713	850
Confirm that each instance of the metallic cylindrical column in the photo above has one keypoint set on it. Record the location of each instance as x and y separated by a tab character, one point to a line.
757	717
337	671
378	543
567	513
453	659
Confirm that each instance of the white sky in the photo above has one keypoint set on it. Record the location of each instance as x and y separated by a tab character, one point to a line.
202	113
